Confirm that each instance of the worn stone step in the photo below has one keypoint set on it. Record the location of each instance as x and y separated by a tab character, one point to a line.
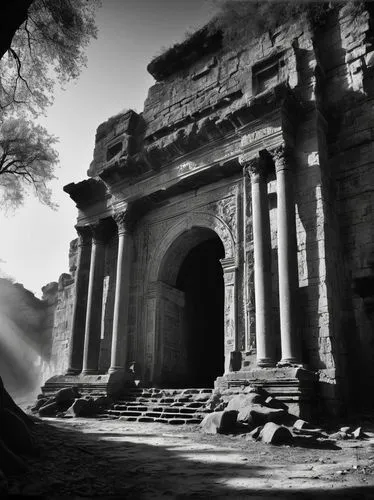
124	407
149	403
169	406
128	419
125	412
155	414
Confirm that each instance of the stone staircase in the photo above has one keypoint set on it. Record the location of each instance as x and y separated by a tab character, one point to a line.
168	406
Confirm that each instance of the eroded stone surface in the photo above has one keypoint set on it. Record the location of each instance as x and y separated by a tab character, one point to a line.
300	100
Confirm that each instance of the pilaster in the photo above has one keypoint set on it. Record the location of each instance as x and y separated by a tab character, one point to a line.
80	302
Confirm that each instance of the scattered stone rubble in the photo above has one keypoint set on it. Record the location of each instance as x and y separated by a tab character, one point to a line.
247	410
263	418
69	402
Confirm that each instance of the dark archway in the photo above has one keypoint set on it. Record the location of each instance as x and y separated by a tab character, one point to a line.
200	278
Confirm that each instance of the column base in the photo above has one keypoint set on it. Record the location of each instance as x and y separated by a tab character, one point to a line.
293	386
116	369
106	384
265	362
73	371
291	362
90	371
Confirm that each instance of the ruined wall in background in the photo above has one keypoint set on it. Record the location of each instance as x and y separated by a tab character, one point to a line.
25	338
59	298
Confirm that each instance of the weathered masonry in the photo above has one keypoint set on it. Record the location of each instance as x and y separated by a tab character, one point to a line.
226	234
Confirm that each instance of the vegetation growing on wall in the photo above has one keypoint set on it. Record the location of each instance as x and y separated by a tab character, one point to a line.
266	15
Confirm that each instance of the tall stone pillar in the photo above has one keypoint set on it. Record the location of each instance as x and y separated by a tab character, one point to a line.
262	262
94	300
287	256
80	302
121	299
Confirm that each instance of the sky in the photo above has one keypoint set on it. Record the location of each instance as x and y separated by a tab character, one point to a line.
35	240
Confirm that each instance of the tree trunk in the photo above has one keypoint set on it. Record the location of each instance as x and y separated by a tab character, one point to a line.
12	14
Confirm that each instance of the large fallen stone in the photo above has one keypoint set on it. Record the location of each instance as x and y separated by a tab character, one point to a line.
39	403
49	410
306	428
340	435
82	408
241	401
67	394
255	433
103	402
215	401
275	403
358	433
255	415
273	433
219	422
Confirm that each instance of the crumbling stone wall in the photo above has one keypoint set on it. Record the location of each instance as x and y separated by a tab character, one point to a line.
208	91
347	58
59	299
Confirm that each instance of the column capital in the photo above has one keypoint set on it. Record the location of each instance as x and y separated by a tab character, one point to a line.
281	156
84	235
255	167
100	232
124	221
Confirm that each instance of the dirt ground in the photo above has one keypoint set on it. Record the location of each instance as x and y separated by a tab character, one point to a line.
114	459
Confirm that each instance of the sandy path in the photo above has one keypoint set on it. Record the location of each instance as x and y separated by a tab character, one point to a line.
116	459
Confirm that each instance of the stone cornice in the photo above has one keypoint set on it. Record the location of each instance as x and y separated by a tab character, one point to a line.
85	235
86	192
186	138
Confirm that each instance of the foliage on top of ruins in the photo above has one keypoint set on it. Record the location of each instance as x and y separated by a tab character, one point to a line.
235	19
181	55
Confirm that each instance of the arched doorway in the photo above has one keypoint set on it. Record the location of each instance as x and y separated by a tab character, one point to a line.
201	279
190	311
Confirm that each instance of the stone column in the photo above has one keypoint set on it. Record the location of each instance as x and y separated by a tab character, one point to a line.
287	256
121	299
262	262
94	300
80	302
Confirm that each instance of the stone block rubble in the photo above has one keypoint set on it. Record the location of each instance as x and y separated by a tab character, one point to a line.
264	418
69	402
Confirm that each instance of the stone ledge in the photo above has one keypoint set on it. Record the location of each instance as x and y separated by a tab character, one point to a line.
113	384
294	386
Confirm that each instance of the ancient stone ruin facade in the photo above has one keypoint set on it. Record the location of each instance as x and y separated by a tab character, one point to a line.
226	233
